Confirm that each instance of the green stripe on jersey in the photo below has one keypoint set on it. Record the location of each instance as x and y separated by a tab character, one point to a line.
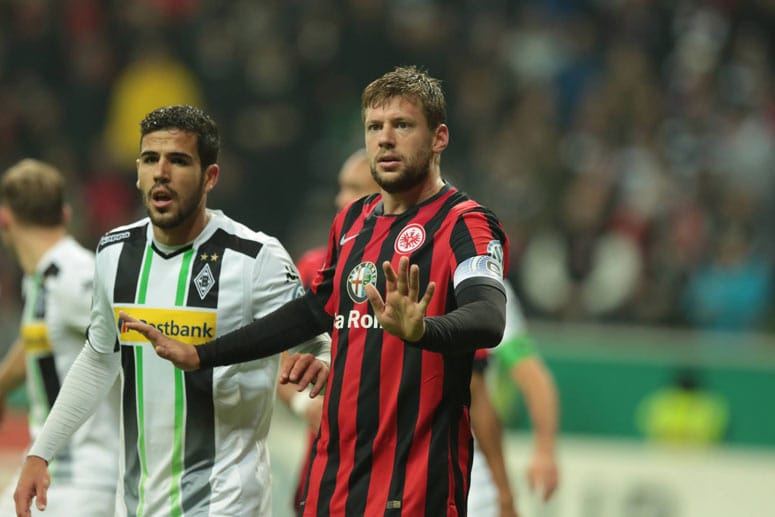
185	267
145	274
177	460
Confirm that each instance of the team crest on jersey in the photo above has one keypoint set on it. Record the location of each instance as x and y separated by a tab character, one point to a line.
204	281
361	275
410	238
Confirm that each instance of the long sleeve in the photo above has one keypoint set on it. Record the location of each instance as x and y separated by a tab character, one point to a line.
88	381
292	324
478	322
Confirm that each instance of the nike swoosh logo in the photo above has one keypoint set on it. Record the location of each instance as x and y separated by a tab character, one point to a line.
346	239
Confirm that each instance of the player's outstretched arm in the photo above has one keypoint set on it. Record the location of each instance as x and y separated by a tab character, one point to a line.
33	483
401	313
180	354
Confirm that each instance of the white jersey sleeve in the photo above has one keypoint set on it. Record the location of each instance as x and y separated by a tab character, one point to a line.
277	281
515	317
102	334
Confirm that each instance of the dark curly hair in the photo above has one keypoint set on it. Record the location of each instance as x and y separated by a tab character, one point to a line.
190	119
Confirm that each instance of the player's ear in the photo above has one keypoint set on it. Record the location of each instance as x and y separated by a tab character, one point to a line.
211	176
440	138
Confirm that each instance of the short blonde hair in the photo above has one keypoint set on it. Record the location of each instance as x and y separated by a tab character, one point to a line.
35	192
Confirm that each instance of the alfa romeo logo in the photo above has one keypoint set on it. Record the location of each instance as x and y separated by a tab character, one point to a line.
361	275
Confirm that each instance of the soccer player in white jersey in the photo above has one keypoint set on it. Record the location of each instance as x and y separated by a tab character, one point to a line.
194	443
57	291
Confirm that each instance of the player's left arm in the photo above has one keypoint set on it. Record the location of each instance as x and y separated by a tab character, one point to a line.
519	356
537	385
489	434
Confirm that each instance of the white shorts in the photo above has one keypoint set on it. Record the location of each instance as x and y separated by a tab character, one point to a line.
64	501
483	496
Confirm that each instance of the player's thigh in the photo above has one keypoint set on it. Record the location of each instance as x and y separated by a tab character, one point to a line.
7	508
483	494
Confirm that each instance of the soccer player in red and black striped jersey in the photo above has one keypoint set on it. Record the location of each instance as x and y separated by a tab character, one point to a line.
395	437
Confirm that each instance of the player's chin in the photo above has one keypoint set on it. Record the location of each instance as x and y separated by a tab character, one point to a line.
165	220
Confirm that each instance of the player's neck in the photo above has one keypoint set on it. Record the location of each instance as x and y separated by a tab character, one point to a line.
32	243
400	202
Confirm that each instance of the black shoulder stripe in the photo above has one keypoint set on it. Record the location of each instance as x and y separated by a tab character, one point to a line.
222	239
354	212
51	270
461	241
130	262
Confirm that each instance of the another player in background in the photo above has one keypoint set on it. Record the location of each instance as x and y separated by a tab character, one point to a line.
57	292
395	435
355	181
491	494
194	443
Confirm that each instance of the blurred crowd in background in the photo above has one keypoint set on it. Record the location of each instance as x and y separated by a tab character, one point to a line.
628	145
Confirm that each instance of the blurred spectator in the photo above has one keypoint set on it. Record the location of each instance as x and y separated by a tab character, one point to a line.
582	268
684	412
108	196
674	104
154	78
733	290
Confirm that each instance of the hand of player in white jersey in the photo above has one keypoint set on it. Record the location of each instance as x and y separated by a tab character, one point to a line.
400	313
304	370
542	475
178	353
33	482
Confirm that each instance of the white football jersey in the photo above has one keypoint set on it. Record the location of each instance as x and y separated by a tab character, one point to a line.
194	443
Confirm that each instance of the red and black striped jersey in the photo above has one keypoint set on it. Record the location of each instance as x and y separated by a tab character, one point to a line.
395	437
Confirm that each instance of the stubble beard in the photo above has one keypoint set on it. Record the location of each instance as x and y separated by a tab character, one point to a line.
173	218
413	174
